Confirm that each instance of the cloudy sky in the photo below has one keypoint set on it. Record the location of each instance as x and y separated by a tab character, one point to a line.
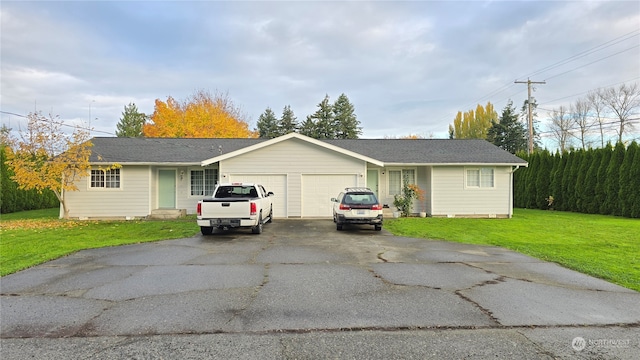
407	67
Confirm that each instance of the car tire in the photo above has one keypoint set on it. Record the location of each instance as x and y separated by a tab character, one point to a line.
258	228
378	227
339	227
206	230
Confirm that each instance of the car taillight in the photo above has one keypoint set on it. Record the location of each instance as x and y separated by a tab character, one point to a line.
376	207
345	207
254	208
199	209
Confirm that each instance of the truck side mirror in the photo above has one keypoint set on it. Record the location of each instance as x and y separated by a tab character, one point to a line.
270	193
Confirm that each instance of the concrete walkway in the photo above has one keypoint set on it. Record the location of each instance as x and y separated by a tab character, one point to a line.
304	290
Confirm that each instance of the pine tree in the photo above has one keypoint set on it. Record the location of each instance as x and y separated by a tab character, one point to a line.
267	125
612	182
288	122
508	134
345	119
321	124
131	122
626	191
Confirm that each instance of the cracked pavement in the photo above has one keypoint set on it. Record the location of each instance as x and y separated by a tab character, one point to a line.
303	290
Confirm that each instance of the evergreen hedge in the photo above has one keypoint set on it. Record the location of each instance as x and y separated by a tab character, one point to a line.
595	181
13	199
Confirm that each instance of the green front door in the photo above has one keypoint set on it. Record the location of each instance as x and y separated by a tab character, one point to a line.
372	181
167	189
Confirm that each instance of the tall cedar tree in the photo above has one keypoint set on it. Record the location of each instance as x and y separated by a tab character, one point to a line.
558	194
268	125
542	180
288	122
566	174
634	175
519	181
579	190
601	190
530	186
626	189
612	183
345	119
131	122
591	181
555	185
202	115
473	124
509	133
573	177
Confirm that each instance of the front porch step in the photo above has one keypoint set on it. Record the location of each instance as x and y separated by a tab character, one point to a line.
387	213
164	214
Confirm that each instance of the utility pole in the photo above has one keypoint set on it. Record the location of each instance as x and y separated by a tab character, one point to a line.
529	82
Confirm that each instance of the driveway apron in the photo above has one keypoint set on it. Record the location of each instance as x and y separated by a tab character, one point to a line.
302	277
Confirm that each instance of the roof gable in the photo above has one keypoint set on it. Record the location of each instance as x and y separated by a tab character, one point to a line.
288	137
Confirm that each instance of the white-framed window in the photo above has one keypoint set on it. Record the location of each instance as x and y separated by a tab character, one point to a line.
480	177
109	178
203	182
397	178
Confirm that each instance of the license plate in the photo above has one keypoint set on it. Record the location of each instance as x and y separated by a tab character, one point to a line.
361	212
215	222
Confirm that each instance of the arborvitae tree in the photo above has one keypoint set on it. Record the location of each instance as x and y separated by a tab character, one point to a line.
573	176
288	122
590	183
556	190
612	182
345	120
542	180
530	185
626	189
634	175
131	122
268	125
519	182
601	192
579	189
555	185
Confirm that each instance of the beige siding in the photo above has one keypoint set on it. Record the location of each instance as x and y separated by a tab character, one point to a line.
450	197
131	199
294	158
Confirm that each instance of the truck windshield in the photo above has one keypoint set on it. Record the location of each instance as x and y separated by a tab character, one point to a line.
236	191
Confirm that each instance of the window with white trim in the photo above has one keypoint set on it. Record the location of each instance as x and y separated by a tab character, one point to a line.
480	178
203	182
397	178
109	178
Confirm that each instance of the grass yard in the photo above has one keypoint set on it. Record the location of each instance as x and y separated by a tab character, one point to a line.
602	246
33	237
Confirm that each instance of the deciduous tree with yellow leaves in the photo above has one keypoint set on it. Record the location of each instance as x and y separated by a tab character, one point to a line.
202	115
47	158
473	124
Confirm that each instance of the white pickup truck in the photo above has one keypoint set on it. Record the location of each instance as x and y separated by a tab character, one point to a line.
235	205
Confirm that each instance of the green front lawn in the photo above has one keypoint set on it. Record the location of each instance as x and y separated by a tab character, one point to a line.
33	237
603	246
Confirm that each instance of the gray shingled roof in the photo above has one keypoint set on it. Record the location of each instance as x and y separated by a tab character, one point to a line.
405	151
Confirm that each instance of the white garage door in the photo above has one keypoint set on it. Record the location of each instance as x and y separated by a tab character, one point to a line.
274	183
317	191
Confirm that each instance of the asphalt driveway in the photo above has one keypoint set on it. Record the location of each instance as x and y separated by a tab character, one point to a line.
303	290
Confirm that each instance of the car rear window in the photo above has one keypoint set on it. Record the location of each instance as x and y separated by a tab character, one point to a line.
360	198
236	191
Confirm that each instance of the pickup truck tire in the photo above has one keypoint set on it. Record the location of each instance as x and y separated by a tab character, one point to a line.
270	215
339	227
206	230
258	228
